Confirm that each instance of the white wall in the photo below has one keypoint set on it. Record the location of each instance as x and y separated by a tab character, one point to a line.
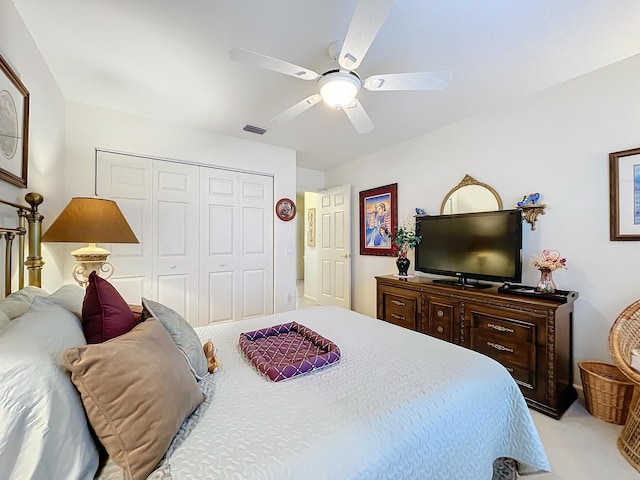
90	127
308	180
555	142
46	129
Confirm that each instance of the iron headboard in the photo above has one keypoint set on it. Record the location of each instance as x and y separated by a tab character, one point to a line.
29	229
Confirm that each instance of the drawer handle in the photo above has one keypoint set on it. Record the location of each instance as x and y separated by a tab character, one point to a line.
398	317
440	313
500	328
440	329
398	302
502	348
509	369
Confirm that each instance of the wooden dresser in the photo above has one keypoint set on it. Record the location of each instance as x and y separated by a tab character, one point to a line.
530	336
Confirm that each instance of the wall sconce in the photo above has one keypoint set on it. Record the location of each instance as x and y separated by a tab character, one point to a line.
90	220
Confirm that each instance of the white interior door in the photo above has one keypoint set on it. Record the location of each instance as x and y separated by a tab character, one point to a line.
335	247
127	180
236	261
176	237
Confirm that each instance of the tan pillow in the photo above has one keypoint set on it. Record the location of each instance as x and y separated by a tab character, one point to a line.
136	389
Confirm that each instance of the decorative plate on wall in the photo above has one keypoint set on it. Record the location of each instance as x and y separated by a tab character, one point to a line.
285	209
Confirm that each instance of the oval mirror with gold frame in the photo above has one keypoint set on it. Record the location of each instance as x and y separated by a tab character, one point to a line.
470	195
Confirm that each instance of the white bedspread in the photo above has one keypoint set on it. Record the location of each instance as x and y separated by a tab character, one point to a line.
399	405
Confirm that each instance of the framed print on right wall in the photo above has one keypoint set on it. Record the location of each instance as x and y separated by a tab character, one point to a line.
624	195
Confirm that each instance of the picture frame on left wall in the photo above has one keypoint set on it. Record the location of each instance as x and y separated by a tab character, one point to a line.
378	220
14	127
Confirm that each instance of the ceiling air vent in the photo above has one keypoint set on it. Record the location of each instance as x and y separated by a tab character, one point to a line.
254	129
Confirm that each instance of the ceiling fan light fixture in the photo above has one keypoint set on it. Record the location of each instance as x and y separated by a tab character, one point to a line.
339	88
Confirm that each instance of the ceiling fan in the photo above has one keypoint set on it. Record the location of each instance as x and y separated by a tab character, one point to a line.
338	86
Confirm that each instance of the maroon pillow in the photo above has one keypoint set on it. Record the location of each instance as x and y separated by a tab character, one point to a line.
105	314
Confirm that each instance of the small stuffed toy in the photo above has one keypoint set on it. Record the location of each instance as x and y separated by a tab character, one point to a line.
210	352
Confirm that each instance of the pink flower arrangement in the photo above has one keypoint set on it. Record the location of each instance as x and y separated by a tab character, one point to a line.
550	260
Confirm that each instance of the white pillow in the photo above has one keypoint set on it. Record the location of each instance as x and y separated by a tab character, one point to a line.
51	328
4	320
43	426
19	302
70	297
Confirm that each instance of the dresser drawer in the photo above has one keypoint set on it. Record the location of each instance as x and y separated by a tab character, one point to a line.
440	312
505	329
399	302
401	317
441	320
506	351
524	376
442	330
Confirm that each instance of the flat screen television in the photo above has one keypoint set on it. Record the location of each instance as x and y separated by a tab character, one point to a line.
479	246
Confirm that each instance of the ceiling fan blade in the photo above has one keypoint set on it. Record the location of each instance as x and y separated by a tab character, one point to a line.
359	118
408	81
270	63
297	109
365	24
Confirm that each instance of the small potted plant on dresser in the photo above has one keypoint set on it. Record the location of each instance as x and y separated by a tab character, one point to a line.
403	240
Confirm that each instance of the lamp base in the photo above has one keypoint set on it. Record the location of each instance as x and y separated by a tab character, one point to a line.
91	259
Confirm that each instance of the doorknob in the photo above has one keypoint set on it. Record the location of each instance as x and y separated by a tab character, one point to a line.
346	255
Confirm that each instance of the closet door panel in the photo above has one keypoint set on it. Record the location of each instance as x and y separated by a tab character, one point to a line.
256	240
173	291
128	181
176	239
254	302
219	301
219	283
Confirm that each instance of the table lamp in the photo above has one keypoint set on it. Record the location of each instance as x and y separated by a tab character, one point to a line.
90	220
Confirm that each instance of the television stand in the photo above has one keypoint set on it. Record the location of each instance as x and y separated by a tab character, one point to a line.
462	282
529	334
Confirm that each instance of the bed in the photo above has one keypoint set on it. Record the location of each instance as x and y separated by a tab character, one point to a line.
398	404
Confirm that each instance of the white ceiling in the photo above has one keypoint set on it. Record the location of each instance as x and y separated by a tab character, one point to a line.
168	60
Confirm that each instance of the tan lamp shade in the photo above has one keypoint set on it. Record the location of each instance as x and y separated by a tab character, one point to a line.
90	220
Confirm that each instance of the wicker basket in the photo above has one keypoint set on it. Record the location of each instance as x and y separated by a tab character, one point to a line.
607	391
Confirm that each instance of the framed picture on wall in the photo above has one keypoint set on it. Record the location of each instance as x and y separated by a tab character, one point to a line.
311	227
378	219
285	209
624	195
14	127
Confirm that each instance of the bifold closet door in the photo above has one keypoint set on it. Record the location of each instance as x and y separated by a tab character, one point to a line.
236	255
206	237
160	200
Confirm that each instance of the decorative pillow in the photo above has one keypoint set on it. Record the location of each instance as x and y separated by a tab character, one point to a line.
137	312
134	406
41	414
183	335
19	301
70	297
105	314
